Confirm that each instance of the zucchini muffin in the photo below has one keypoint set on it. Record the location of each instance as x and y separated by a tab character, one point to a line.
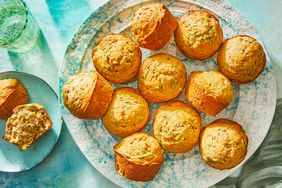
209	92
128	113
177	126
138	157
27	123
223	144
161	77
87	95
12	94
198	35
241	58
153	26
117	58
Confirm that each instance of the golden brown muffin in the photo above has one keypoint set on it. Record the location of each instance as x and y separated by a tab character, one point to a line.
117	58
12	94
177	126
128	113
87	95
161	77
198	34
241	58
210	92
223	144
138	157
27	123
153	26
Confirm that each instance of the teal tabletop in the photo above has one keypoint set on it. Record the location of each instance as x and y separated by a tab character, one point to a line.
66	166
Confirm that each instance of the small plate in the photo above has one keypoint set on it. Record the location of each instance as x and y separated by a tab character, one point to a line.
12	159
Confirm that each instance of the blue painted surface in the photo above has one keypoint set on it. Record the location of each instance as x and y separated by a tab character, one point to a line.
66	166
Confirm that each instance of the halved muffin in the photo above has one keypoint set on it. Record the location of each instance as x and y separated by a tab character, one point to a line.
27	123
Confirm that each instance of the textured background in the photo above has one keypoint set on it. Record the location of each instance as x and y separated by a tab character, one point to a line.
58	20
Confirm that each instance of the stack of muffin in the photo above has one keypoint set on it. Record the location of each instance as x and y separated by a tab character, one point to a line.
177	126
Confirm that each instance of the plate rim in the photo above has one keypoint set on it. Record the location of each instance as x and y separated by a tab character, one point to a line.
60	122
196	2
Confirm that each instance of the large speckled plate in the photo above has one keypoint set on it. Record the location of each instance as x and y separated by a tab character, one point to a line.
253	105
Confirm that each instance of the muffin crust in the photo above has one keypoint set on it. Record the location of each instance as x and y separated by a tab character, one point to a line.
198	34
153	26
138	157
117	58
223	144
12	94
161	77
209	92
128	113
177	126
87	95
241	59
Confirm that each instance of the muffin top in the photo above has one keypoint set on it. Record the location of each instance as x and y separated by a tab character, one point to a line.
199	34
8	87
241	58
223	144
127	113
140	148
145	20
78	91
210	91
177	126
117	58
161	77
12	94
27	123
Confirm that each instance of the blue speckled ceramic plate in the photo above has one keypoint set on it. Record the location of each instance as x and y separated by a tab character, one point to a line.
13	159
253	105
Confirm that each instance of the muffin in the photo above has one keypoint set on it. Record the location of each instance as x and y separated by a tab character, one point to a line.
128	113
87	95
138	157
161	77
223	144
27	123
209	92
176	127
12	94
117	58
153	26
241	58
198	35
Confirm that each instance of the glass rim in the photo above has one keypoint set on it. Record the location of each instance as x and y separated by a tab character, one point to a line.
26	21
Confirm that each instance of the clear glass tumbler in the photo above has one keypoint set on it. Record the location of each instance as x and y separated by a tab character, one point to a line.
18	29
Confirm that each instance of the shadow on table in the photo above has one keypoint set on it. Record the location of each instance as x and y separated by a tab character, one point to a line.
68	15
38	61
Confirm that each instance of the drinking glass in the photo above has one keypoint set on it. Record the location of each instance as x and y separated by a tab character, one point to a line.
18	29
